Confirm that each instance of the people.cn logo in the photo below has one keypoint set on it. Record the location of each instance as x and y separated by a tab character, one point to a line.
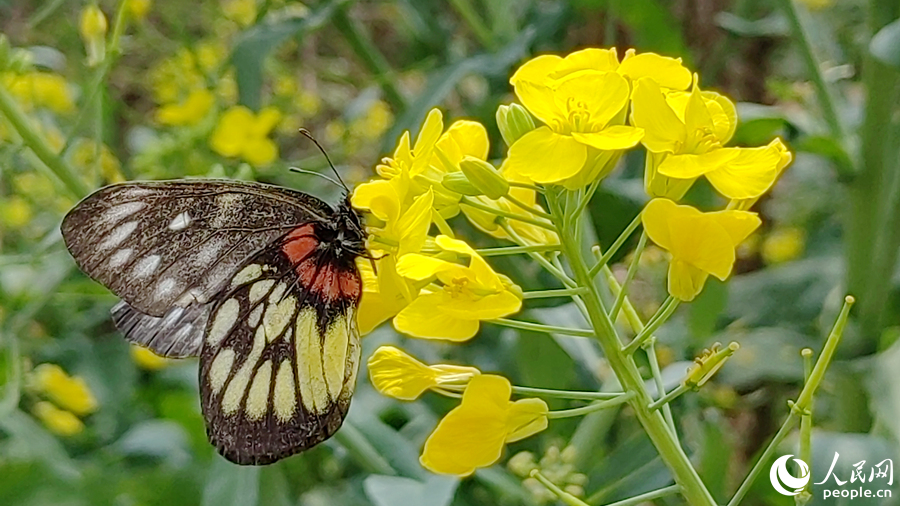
780	475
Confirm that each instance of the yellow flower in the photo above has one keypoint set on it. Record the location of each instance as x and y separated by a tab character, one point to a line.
242	12
172	77
700	243
93	28
40	89
473	434
783	245
453	310
88	156
58	421
71	393
15	212
685	133
241	133
583	110
396	374
138	9
188	112
146	359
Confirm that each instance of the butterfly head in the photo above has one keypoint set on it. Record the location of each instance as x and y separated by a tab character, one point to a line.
344	232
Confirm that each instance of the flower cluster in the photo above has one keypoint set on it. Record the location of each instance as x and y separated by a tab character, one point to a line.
67	399
577	116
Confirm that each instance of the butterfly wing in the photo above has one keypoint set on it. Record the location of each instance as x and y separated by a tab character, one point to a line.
168	247
281	353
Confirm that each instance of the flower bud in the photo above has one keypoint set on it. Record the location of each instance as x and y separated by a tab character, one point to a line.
459	183
485	177
93	32
658	185
707	364
514	121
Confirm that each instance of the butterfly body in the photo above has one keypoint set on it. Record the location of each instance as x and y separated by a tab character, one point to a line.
258	281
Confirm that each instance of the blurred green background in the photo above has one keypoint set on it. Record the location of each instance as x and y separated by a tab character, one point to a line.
359	73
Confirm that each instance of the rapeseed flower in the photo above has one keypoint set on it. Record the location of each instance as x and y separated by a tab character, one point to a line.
700	243
40	89
146	359
92	28
190	111
68	392
241	133
474	433
58	421
466	295
396	374
685	133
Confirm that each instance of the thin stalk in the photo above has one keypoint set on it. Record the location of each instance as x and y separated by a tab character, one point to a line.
566	498
539	327
669	397
632	270
442	225
515	250
562	292
546	264
615	246
526	186
647	497
585	200
566	394
39	146
371	57
467	11
823	92
662	314
803	404
692	487
660	386
518	203
806	418
505	214
590	408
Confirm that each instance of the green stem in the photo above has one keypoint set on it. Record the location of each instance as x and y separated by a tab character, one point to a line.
660	386
669	397
562	292
442	225
647	497
565	497
693	489
371	57
526	186
518	203
39	146
806	419
465	9
584	201
803	404
515	250
632	270
662	314
615	245
505	214
539	327
590	408
537	257
567	394
826	100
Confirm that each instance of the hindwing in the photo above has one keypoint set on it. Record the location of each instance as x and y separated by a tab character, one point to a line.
280	357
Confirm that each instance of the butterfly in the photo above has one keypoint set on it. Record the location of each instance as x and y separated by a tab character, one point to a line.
257	280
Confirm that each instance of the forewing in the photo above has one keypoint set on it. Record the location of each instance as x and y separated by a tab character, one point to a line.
176	243
280	356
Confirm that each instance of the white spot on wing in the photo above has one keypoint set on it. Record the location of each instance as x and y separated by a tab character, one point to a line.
231	400
115	213
284	399
118	235
310	375
120	257
260	289
246	275
253	319
258	396
337	343
218	371
165	287
276	294
224	320
145	266
180	222
278	315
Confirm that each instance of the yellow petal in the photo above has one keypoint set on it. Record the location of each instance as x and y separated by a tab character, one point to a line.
738	224
700	241
260	151
610	138
685	281
421	267
378	197
464	138
488	307
419	319
539	99
390	293
396	374
448	243
696	115
667	72
526	417
428	135
536	69
544	156
750	173
654	217
724	115
663	131
581	91
690	166
412	227
265	121
604	60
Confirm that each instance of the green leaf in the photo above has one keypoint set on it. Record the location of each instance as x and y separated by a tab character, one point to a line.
162	439
830	148
231	485
885	45
773	25
399	491
766	354
254	45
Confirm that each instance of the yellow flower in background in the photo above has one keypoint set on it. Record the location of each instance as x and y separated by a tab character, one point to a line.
68	392
58	421
15	212
783	245
396	374
242	12
173	77
138	9
474	433
146	359
88	156
241	133
583	112
40	89
700	243
467	294
686	132
190	111
92	28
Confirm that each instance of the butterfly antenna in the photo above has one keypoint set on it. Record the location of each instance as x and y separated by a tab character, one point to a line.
314	173
309	136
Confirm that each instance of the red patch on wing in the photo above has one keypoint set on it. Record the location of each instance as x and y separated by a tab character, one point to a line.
299	244
329	282
350	284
